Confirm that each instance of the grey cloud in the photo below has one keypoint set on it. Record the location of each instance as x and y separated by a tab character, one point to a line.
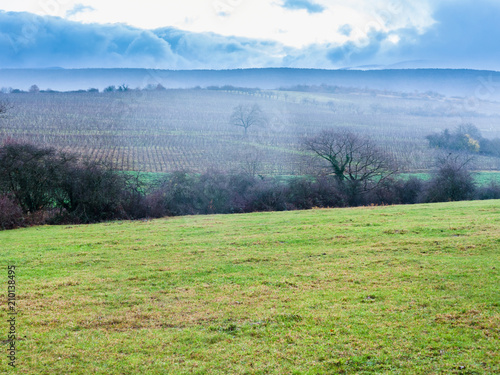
31	41
466	34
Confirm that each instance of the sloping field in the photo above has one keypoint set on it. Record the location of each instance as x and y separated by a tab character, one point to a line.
401	290
173	130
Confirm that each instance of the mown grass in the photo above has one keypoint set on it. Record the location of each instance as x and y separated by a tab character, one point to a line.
400	290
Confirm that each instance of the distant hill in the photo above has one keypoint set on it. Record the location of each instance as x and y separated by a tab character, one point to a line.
484	85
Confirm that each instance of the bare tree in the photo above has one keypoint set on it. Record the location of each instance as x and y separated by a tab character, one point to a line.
356	162
246	116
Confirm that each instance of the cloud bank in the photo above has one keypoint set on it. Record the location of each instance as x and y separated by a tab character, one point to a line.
29	41
465	34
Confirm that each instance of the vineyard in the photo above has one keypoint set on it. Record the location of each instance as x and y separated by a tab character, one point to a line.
168	130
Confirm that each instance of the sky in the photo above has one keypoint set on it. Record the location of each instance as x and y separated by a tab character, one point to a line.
229	34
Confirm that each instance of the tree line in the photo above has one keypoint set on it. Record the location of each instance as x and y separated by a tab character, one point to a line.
466	138
43	185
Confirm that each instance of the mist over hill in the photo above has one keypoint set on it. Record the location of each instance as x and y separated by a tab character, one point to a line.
484	85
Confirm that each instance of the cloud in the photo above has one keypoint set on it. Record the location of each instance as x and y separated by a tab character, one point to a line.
30	41
345	30
304	4
463	34
351	53
78	8
208	50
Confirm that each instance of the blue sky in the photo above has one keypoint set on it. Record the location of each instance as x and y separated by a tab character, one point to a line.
224	34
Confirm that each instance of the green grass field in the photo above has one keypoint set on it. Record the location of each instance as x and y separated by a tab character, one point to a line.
399	290
481	178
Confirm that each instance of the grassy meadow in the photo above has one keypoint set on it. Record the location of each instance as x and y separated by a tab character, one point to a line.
399	290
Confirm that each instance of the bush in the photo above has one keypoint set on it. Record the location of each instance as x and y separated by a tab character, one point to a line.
240	187
176	195
91	192
213	194
397	192
329	193
11	215
302	193
411	191
491	191
451	182
31	174
266	196
40	185
133	197
383	194
406	192
155	204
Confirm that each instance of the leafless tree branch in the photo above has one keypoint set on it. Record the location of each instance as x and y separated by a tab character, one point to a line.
352	158
246	116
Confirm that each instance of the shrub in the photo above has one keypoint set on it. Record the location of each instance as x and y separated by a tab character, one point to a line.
91	192
490	191
213	193
240	186
328	193
266	196
177	195
385	193
155	204
31	174
304	193
451	182
300	195
11	215
406	191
